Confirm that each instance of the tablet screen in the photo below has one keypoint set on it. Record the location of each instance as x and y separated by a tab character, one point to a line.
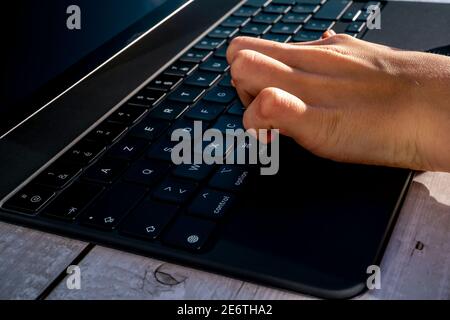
44	40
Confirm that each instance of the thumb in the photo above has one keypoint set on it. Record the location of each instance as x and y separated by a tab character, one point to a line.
274	108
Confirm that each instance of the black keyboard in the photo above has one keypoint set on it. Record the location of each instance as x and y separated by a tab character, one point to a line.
120	178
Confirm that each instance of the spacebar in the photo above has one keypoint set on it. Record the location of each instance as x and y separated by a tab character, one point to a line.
333	9
109	210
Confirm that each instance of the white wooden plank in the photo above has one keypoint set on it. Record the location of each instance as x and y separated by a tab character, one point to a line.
416	264
31	260
112	274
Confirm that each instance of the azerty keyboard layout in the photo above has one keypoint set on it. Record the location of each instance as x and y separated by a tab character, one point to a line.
120	177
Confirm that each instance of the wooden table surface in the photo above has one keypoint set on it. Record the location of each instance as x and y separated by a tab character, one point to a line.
416	263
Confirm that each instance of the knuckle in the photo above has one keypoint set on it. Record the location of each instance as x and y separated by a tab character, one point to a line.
245	56
341	38
247	120
269	98
242	60
235	45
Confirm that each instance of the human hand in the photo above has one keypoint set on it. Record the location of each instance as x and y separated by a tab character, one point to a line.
347	99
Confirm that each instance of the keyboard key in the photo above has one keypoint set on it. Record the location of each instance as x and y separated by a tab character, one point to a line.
147	98
189	233
305	8
286	28
215	65
277	9
239	34
223	32
181	69
226	81
256	29
168	110
257	3
174	190
211	204
215	149
283	38
235	22
84	152
58	175
222	95
107	132
196	56
364	15
221	52
237	108
230	177
162	150
127	115
210	44
267	18
71	202
285	2
202	79
186	94
112	206
30	199
311	1
340	26
356	27
318	25
333	9
147	172
149	129
164	82
188	126
352	13
129	148
149	219
247	150
296	18
205	111
106	170
227	122
245	11
305	35
196	172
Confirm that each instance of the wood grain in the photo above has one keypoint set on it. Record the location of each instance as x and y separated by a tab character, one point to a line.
406	272
31	260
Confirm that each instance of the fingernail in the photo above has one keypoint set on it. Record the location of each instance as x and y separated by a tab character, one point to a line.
328	34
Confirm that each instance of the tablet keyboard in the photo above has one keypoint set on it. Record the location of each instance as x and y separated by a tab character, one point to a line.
120	178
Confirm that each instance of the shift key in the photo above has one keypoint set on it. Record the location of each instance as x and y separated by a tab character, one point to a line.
109	210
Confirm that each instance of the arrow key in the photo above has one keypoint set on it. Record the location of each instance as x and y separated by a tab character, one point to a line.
113	205
149	219
211	204
174	190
